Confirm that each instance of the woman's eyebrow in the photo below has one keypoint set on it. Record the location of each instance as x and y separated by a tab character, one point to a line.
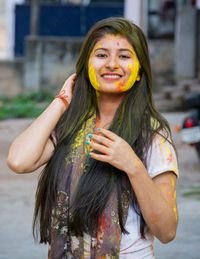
129	50
104	49
101	49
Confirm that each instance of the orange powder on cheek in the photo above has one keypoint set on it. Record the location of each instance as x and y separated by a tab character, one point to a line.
130	66
119	85
134	68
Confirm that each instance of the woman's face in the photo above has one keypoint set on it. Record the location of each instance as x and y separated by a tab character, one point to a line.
113	65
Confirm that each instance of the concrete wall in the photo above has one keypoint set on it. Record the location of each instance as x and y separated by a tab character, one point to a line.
185	43
162	63
11	78
49	61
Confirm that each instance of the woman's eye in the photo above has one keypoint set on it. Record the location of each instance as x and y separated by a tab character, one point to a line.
101	55
124	56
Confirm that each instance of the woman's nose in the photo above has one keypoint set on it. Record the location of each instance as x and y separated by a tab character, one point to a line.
112	63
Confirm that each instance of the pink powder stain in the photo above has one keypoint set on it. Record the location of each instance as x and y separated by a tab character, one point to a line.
117	43
169	157
120	85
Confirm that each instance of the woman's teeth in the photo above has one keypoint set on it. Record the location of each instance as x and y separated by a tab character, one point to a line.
111	76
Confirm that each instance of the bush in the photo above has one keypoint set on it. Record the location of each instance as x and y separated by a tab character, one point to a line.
24	105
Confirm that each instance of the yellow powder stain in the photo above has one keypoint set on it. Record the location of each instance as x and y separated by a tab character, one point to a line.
79	142
63	86
129	66
162	141
119	85
102	69
99	46
174	198
173	169
162	189
134	74
172	181
175	212
93	78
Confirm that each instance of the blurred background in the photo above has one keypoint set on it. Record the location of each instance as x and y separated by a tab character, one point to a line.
40	41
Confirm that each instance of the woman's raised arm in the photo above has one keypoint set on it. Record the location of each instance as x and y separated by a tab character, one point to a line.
33	147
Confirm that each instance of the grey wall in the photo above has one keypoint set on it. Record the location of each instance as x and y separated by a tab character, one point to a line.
162	63
49	61
11	77
185	43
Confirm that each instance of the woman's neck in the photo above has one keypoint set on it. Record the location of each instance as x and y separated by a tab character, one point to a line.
107	106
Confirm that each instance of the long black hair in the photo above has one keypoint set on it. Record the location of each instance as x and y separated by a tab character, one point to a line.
136	121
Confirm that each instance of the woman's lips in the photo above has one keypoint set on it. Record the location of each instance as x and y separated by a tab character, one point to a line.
109	76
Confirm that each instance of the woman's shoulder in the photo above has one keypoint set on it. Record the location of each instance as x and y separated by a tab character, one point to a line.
161	156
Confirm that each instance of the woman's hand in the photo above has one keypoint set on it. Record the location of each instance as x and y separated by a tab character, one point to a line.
115	151
67	89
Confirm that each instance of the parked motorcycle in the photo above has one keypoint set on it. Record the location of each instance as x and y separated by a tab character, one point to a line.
190	130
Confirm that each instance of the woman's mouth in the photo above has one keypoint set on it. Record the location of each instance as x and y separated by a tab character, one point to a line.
109	76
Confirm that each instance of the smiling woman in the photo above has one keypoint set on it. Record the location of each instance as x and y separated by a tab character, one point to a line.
113	65
109	184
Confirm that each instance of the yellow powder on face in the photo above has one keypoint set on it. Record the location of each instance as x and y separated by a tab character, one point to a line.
99	46
134	67
119	85
93	78
130	66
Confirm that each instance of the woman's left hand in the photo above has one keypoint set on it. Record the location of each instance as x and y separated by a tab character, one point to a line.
115	151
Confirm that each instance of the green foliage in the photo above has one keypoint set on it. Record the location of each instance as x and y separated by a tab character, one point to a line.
194	191
28	105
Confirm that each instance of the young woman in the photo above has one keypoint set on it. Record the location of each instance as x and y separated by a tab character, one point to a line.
109	184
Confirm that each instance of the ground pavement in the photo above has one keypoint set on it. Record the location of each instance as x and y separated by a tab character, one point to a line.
17	199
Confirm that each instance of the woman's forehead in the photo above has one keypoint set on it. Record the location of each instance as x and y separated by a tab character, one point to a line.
112	40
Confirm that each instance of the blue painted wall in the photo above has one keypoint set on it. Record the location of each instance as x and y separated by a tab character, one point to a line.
61	20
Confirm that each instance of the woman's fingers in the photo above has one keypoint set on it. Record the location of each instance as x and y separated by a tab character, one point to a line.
67	90
102	158
98	147
107	133
101	139
69	83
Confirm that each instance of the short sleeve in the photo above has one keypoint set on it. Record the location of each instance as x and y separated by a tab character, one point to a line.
161	157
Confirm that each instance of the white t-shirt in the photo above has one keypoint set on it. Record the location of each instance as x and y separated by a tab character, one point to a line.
160	158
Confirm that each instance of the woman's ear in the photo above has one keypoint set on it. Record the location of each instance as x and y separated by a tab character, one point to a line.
138	78
139	75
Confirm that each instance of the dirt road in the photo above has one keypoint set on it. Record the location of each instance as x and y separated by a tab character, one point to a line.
17	199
